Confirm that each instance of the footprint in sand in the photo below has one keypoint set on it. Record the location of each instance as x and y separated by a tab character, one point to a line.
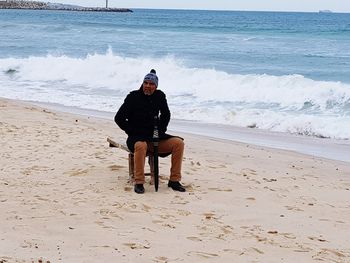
248	171
220	189
179	201
250	250
146	208
103	225
116	167
331	255
230	250
197	163
250	198
194	169
317	239
184	212
209	216
219	166
294	208
107	214
149	229
270	180
197	239
35	168
166	216
157	221
128	188
288	235
169	225
161	259
202	254
257	250
296	168
227	229
31	244
146	245
78	172
164	222
269	188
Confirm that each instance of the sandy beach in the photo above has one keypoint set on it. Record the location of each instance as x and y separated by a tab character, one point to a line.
65	197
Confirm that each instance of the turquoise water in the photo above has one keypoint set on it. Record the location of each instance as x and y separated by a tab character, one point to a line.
272	70
314	45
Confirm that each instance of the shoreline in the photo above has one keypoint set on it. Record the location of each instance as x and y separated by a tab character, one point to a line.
317	147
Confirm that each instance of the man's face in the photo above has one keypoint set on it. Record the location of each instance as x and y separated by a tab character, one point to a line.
148	87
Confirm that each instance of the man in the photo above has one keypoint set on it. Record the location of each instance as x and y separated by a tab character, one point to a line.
136	118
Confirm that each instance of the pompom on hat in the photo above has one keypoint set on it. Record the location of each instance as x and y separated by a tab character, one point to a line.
152	76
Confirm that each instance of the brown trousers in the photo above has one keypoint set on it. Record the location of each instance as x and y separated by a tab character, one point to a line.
174	145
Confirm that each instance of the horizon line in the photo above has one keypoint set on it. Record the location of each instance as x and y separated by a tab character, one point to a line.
236	10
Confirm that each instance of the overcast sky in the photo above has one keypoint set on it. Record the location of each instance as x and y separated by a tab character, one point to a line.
253	5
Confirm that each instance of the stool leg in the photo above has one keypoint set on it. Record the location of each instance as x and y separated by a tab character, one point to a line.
131	168
151	166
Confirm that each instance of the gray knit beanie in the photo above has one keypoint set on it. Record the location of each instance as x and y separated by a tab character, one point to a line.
152	77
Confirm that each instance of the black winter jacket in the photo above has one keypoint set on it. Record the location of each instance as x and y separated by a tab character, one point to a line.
136	116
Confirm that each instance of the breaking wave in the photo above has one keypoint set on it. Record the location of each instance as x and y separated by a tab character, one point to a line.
290	103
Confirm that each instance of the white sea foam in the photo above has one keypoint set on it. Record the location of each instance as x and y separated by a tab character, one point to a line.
100	81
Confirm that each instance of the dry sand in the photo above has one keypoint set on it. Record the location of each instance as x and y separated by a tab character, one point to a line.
64	197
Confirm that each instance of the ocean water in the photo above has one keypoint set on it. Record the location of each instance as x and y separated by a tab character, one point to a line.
277	71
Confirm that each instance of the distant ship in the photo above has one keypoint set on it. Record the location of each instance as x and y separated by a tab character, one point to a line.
325	11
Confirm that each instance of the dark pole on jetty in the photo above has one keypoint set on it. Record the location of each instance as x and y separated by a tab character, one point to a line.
106	3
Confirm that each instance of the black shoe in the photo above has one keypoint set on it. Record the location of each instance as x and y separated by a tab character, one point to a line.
138	188
176	186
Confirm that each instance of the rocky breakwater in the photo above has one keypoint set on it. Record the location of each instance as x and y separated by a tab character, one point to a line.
36	5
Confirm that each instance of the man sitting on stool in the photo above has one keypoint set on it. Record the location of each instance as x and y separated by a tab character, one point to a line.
136	118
